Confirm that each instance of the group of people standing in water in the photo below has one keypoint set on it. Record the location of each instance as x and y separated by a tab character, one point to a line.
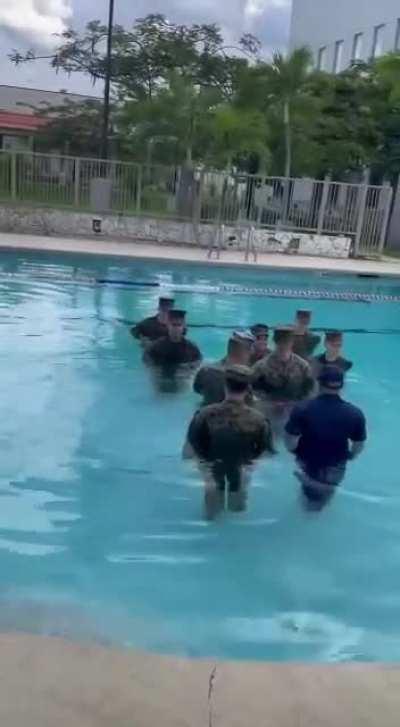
257	395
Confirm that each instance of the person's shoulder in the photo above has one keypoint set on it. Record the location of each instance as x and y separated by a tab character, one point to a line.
190	344
210	411
352	410
254	415
262	363
300	362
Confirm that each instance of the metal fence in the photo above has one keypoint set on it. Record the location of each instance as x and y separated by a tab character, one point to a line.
359	211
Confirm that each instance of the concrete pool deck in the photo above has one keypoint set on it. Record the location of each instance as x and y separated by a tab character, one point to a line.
150	251
46	681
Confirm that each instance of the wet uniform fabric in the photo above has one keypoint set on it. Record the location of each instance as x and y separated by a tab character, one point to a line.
169	354
150	328
280	380
229	436
305	344
256	356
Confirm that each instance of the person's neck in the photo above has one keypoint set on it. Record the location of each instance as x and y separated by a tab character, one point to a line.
283	355
301	330
176	340
331	356
329	392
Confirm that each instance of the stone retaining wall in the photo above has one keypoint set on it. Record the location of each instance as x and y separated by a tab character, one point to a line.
41	221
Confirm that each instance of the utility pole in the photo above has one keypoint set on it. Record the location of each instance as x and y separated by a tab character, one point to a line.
107	84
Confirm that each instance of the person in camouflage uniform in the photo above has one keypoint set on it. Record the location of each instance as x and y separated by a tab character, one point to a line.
155	327
173	358
227	438
282	379
260	347
305	342
209	381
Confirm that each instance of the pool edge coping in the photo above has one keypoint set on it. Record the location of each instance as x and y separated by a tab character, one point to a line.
107	247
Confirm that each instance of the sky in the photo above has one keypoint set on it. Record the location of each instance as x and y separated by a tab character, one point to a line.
33	24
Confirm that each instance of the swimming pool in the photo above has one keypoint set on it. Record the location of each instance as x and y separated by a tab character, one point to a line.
101	528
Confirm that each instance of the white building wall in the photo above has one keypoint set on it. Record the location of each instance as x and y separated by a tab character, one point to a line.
322	23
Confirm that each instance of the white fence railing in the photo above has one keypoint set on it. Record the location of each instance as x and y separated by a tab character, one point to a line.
202	196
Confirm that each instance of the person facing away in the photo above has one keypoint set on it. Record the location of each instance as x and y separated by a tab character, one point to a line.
154	327
174	349
209	381
332	355
260	347
283	376
305	342
324	434
227	438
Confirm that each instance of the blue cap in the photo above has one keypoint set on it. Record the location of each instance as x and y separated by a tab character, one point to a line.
331	377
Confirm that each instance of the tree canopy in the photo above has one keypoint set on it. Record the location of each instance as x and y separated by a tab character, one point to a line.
181	95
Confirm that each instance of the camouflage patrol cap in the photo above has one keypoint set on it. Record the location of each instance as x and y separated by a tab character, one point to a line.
176	315
259	329
283	333
165	302
238	373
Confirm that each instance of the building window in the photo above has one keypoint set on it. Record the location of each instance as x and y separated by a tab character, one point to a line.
357	47
337	59
397	39
321	62
377	43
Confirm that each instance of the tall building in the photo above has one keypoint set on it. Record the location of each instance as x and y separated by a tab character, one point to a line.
341	31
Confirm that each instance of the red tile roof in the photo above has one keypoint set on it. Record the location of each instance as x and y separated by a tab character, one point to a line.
21	122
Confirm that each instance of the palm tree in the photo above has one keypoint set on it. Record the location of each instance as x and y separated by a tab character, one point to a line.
286	83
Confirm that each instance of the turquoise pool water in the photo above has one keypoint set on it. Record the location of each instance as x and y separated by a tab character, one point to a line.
101	529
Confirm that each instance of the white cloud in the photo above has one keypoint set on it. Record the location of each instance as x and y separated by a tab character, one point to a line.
258	7
38	20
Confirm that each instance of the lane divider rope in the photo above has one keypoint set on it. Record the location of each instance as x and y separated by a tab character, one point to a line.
222	288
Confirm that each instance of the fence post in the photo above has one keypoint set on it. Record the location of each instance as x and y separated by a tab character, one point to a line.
363	191
77	184
139	188
386	215
13	176
322	207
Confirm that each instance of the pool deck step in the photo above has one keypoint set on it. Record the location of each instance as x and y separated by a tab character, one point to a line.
50	682
101	246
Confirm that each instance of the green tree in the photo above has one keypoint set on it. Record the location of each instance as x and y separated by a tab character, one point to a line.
286	84
71	128
235	134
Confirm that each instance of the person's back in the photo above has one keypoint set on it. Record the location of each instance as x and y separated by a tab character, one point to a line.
324	434
227	437
230	431
328	424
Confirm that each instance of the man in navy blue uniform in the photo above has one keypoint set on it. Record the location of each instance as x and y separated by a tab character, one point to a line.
325	433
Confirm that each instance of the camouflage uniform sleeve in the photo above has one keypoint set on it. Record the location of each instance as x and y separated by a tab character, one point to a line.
308	379
199	435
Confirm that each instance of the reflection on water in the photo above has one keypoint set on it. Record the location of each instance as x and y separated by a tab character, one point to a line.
101	528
